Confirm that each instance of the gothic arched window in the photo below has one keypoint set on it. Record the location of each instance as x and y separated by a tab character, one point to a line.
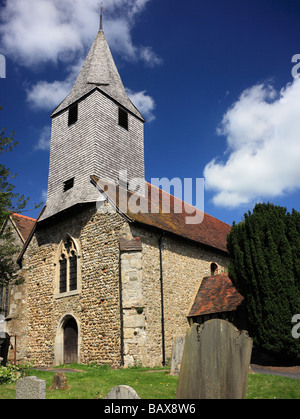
63	274
73	271
68	267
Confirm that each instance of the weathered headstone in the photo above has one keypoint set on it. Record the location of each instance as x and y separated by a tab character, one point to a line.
31	388
177	353
122	393
59	381
215	362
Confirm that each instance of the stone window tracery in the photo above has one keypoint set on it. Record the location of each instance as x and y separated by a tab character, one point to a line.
68	267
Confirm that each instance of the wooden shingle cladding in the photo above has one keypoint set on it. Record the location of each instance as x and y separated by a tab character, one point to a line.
99	71
94	131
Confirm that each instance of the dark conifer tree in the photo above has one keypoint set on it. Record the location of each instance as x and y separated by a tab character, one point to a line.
265	267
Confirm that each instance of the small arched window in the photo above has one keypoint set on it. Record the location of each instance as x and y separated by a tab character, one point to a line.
68	269
214	269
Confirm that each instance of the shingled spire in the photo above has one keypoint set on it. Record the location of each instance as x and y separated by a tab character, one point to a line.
96	130
99	71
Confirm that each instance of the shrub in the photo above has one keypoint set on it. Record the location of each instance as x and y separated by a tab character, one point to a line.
9	374
12	374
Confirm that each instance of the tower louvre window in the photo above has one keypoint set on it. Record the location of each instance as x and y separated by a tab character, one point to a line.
68	184
123	118
73	114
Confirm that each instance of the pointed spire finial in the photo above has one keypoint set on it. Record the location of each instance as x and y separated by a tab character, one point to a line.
101	15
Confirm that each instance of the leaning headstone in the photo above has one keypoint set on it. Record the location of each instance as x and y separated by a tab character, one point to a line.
177	352
215	363
122	393
59	381
31	388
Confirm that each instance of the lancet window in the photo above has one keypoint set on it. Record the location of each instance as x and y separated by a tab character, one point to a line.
68	267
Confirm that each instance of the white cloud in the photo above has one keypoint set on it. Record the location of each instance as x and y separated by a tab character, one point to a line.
42	31
143	102
44	140
46	95
36	32
44	195
149	57
262	130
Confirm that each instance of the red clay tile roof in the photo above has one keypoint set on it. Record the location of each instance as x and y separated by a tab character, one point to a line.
211	231
24	225
216	294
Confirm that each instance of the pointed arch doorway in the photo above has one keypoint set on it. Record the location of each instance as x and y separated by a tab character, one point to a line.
67	341
71	341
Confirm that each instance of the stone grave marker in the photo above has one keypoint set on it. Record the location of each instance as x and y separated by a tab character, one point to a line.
215	362
122	393
59	381
31	388
177	352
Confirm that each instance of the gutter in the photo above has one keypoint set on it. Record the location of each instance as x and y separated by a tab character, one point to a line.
121	311
162	300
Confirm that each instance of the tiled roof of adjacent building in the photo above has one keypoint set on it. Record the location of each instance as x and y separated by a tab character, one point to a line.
208	231
216	294
24	225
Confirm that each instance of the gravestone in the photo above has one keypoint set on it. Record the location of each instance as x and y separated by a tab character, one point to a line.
122	393
59	381
177	352
215	362
29	388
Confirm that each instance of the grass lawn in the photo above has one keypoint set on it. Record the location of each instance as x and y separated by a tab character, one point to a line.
95	382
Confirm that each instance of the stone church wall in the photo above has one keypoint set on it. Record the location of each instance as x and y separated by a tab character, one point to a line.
102	336
184	266
95	308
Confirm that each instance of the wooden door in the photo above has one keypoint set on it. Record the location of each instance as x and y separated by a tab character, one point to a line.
71	342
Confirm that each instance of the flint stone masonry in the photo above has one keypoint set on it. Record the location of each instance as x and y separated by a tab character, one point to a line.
108	274
31	388
215	362
95	307
122	393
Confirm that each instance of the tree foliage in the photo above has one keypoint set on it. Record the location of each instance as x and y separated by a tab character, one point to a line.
10	202
265	268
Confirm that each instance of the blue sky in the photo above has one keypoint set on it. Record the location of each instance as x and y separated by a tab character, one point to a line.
213	79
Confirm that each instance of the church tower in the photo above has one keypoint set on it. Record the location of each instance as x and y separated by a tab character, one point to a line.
96	130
